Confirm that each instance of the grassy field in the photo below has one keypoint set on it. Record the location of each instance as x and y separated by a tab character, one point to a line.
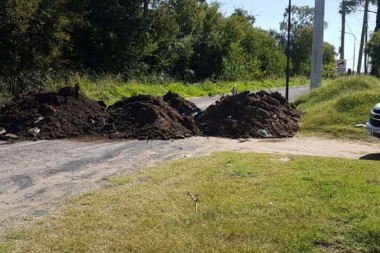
112	88
247	203
334	109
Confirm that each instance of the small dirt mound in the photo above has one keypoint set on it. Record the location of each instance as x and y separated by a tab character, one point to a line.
150	117
49	114
251	115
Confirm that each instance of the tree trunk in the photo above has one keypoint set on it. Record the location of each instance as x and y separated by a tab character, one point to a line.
146	8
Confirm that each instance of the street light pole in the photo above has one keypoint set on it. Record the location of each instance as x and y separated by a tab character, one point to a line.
353	59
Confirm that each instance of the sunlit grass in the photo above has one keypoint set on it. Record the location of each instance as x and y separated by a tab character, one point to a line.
112	88
334	109
248	203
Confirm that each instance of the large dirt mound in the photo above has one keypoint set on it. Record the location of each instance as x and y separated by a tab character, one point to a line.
49	114
150	117
256	115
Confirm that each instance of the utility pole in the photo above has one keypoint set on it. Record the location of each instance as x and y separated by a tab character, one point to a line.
288	54
365	53
365	20
317	54
343	31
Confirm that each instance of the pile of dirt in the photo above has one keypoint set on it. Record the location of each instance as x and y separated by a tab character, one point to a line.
50	114
251	115
150	117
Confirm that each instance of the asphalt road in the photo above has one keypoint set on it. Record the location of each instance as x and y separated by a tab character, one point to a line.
294	92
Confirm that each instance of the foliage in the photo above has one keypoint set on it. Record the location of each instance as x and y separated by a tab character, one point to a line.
302	53
352	6
301	41
247	203
185	40
110	89
373	48
301	17
35	38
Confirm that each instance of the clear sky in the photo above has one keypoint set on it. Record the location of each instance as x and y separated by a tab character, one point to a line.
269	13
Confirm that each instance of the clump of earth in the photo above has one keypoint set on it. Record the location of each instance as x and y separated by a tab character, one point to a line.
50	114
65	113
153	117
251	115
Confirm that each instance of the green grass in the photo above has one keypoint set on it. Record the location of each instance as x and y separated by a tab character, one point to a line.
248	203
112	88
334	109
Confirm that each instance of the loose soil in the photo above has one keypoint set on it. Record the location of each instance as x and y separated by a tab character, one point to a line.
251	115
79	143
48	114
150	117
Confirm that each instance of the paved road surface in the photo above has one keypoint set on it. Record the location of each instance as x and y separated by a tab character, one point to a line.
294	92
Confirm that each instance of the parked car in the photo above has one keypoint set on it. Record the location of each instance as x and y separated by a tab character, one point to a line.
373	123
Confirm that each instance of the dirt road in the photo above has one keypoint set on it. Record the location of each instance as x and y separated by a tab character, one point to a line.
35	175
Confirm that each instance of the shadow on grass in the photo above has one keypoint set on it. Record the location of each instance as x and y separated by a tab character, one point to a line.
374	157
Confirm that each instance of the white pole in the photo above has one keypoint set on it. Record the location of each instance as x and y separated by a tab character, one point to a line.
317	54
353	59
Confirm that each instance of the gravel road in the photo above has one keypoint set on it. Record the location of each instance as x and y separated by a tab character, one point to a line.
35	175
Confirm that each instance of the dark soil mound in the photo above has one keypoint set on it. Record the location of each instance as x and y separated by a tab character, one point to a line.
149	117
256	115
48	114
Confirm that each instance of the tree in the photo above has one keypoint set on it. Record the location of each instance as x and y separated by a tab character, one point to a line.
114	36
377	16
251	53
301	16
374	53
302	58
302	20
35	38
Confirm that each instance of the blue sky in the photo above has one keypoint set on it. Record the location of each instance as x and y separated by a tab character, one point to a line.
269	13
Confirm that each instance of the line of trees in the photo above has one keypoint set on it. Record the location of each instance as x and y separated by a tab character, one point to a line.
187	40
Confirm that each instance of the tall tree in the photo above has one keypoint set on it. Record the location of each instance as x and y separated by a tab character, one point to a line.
302	20
377	16
35	37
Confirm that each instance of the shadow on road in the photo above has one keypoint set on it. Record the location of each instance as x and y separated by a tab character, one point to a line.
374	157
